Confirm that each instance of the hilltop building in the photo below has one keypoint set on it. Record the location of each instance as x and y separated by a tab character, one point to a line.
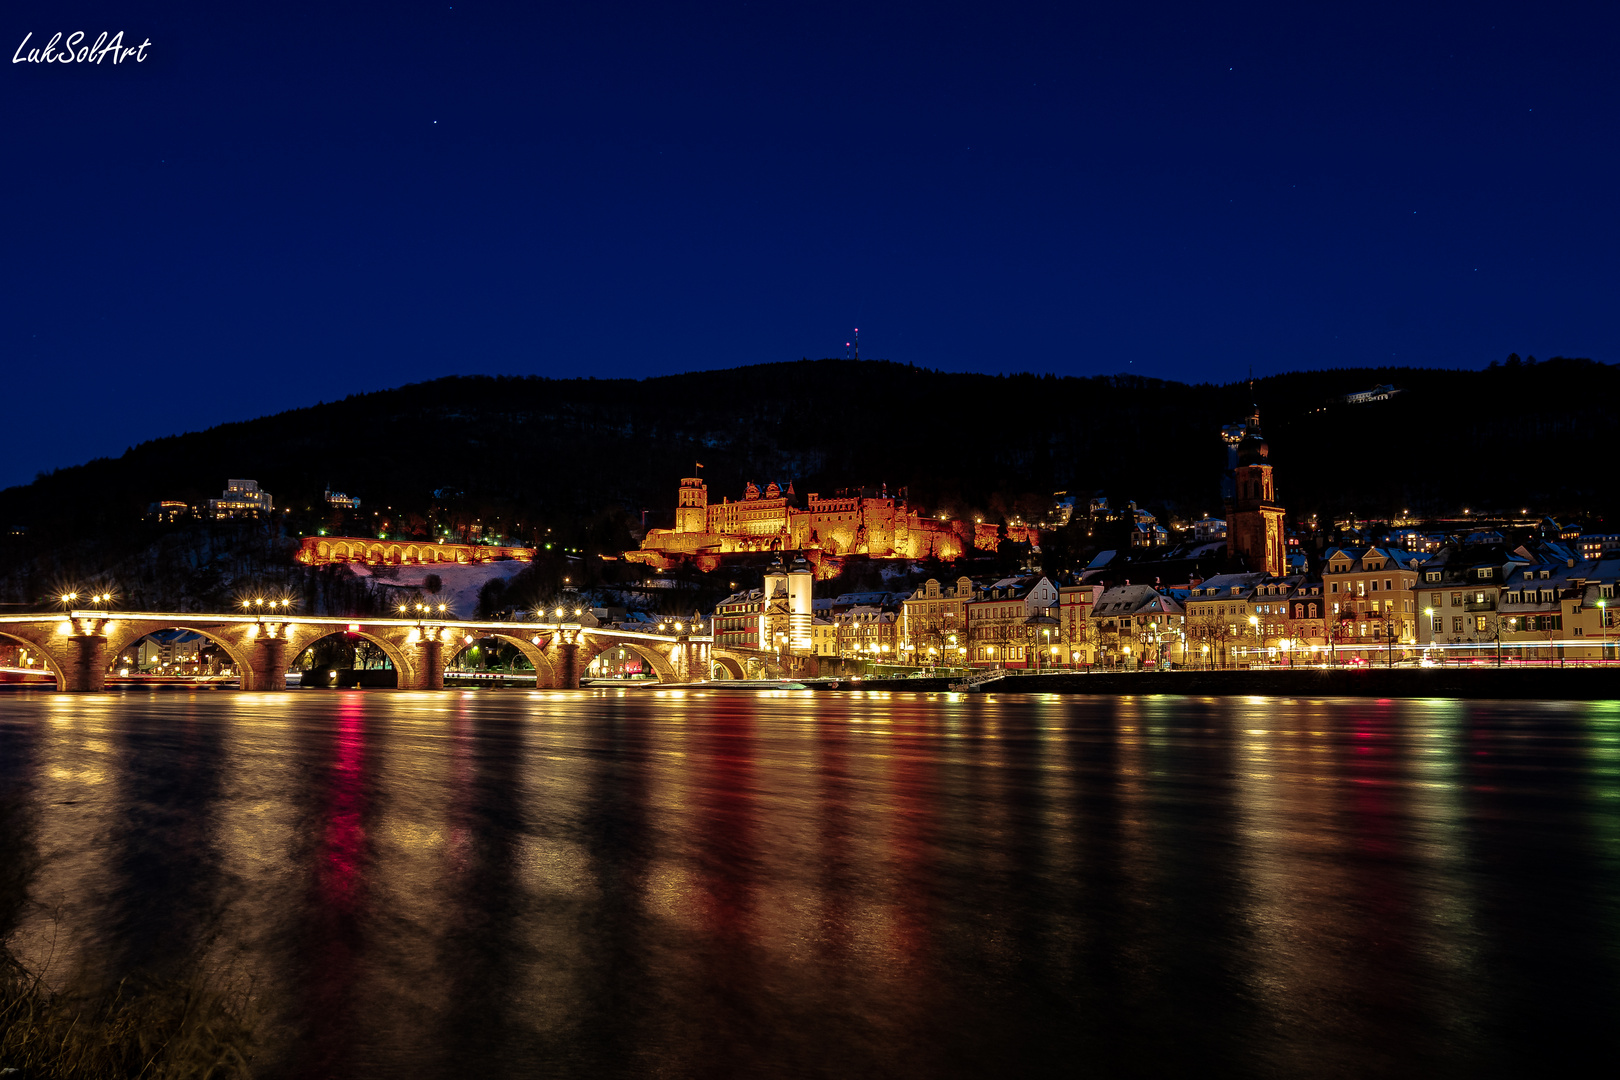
168	511
241	498
823	529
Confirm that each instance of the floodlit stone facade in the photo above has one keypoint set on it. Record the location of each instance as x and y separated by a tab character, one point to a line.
824	529
1254	519
323	550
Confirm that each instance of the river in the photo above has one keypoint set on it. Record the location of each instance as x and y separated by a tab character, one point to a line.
640	883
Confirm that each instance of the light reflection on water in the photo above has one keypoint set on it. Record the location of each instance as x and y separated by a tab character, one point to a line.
500	883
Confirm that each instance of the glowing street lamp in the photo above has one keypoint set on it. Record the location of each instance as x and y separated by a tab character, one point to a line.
1603	630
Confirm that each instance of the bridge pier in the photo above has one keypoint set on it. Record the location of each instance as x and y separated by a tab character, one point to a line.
570	665
430	664
270	669
87	670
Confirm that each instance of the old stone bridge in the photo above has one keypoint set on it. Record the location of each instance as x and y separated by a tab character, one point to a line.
80	647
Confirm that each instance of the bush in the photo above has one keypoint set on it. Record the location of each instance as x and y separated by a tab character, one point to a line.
174	1030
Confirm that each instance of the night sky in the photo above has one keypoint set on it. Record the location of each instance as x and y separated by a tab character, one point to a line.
293	202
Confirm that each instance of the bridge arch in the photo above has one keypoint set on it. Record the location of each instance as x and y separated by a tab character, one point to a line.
545	676
724	662
51	662
122	636
397	656
592	648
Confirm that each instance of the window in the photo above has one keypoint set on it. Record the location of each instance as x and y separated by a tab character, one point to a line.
1456	624
1387	586
1439	624
1434	600
1480	623
1456	599
1375	585
1335	586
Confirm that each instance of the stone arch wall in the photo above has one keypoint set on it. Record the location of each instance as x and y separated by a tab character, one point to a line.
47	654
590	652
545	673
122	635
728	663
591	648
395	651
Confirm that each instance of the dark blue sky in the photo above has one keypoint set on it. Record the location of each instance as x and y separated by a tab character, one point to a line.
290	202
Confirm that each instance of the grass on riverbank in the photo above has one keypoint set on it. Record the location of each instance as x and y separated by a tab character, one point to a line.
175	1031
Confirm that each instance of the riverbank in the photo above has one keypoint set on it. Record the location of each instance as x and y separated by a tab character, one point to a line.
1547	684
179	1029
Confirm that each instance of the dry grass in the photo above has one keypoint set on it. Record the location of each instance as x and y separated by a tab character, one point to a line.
186	1028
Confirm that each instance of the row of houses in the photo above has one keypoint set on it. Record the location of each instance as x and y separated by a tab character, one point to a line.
1375	604
1462	603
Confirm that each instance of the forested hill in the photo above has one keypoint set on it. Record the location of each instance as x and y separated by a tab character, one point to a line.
1535	434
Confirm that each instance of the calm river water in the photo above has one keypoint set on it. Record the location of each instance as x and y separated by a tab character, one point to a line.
730	884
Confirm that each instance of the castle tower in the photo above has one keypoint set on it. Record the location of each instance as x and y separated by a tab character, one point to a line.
692	506
1254	525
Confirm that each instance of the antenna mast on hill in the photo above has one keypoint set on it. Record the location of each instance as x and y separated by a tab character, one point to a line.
857	343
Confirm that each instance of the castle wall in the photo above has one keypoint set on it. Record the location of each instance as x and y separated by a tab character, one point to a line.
878	527
324	550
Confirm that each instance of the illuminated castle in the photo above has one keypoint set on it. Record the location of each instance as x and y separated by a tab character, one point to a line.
880	527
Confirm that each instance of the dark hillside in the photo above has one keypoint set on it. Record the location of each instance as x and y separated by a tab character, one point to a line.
561	451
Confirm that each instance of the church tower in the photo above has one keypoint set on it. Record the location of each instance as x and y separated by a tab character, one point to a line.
1254	524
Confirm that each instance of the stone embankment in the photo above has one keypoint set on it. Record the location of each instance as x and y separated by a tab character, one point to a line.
1546	684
